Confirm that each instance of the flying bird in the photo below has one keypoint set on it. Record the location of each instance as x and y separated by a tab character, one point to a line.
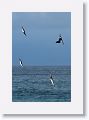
51	79
20	62
60	40
23	31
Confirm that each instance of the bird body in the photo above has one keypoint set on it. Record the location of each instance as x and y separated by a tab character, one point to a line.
20	62
51	79
60	40
23	31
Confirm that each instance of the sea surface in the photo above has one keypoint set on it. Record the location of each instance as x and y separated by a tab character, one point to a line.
32	84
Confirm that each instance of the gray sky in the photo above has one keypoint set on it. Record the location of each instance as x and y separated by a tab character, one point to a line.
43	30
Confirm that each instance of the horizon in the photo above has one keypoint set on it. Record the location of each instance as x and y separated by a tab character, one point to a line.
41	65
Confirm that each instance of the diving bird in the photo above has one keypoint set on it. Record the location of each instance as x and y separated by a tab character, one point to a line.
20	62
60	40
51	79
23	31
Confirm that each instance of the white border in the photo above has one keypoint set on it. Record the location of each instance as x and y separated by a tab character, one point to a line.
76	9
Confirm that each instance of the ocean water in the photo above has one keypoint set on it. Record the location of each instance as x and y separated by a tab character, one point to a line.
32	84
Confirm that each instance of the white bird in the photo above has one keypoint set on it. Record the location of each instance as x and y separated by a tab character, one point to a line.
51	79
20	62
23	31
